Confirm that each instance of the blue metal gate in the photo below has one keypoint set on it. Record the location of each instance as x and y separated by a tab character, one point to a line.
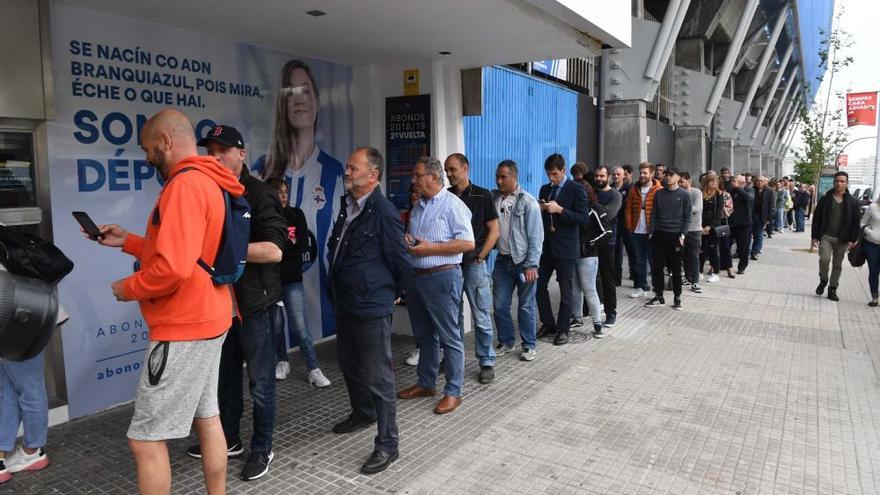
524	119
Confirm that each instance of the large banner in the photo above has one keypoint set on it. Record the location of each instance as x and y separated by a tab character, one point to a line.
111	75
861	109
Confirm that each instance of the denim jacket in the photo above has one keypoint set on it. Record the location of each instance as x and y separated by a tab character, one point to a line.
526	229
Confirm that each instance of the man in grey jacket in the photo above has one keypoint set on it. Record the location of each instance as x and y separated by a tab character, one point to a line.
519	250
693	240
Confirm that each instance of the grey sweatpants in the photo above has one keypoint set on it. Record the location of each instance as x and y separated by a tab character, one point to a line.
831	250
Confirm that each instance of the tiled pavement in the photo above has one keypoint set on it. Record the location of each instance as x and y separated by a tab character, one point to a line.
757	386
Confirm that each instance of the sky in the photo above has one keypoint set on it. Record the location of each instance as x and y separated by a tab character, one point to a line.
863	75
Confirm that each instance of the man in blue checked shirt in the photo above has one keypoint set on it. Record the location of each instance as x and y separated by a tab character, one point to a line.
439	232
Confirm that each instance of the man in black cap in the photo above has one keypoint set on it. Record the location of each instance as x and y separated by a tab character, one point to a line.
251	337
668	227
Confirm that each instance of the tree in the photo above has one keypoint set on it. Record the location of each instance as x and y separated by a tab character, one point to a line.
823	128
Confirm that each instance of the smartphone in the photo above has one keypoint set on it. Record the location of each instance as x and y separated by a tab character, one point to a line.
88	225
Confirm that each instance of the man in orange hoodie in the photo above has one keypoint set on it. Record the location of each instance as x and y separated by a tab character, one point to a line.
187	314
637	218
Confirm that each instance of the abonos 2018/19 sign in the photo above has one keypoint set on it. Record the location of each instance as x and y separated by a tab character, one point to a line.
111	75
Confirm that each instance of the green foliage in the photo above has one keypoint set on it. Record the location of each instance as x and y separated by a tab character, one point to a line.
823	128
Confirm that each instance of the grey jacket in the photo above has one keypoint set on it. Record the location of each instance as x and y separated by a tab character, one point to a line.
526	229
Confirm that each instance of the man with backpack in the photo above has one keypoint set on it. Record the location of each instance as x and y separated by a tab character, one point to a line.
186	312
251	336
610	200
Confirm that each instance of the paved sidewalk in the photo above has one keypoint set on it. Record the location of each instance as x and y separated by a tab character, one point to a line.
757	386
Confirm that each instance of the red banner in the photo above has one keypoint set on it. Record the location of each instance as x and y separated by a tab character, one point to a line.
861	109
842	161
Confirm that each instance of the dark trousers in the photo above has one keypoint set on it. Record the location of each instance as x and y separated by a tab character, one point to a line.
565	270
742	235
607	287
252	342
724	256
710	251
666	250
799	214
364	351
691	256
623	243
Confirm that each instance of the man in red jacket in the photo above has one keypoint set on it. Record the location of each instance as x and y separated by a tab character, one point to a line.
187	314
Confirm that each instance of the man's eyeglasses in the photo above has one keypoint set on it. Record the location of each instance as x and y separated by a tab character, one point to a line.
416	176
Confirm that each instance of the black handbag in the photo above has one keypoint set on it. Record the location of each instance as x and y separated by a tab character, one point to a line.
32	257
722	231
856	255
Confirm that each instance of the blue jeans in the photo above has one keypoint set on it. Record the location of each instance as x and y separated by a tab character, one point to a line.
506	277
433	301
757	235
585	285
642	254
872	256
799	219
251	341
23	400
477	286
780	218
292	296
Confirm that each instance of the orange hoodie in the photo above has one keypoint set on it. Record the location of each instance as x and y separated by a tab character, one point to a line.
178	299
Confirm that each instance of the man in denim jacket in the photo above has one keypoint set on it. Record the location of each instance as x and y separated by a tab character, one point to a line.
519	250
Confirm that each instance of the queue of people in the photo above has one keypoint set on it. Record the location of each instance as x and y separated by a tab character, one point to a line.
434	256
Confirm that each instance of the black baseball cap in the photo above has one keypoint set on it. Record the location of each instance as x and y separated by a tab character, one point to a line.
672	171
224	134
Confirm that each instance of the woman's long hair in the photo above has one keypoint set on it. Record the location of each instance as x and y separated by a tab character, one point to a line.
282	146
710	175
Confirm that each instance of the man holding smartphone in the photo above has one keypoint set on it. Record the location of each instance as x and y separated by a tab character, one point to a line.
668	227
178	386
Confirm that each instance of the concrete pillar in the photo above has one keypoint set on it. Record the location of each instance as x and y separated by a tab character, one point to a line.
722	154
767	165
626	132
690	149
754	162
741	159
690	55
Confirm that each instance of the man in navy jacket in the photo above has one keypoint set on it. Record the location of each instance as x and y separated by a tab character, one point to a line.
564	206
369	266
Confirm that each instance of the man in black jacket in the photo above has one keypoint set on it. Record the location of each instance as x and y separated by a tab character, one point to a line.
369	266
251	337
762	211
564	207
740	220
835	229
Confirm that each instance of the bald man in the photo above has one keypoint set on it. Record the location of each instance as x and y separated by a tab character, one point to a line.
178	385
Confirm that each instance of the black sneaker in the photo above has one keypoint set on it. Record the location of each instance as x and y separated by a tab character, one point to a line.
696	289
676	304
487	374
821	287
610	319
575	322
561	338
597	331
234	450
257	465
656	301
753	257
545	331
832	294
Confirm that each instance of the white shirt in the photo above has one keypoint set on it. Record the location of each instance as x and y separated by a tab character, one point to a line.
504	205
642	227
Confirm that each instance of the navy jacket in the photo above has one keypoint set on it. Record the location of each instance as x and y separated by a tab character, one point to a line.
564	242
743	201
372	265
768	204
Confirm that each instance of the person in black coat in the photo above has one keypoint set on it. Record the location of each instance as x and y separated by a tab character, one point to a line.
369	266
762	212
740	220
835	230
564	207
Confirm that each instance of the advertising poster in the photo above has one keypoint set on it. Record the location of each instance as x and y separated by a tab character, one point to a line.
407	137
861	109
111	75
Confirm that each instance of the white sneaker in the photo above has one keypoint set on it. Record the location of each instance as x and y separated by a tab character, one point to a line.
282	369
317	379
637	294
527	354
712	278
413	358
21	461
